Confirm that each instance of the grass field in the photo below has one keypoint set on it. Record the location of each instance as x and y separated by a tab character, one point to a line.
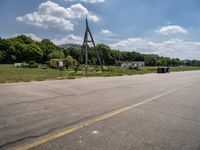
9	73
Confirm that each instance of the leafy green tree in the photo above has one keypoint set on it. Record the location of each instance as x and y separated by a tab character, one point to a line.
7	50
23	39
48	48
74	52
2	56
175	62
105	54
69	61
56	55
34	52
23	48
150	60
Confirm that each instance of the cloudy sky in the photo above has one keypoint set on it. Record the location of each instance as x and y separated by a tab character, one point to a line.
165	27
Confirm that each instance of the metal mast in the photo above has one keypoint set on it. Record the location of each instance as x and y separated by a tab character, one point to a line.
85	47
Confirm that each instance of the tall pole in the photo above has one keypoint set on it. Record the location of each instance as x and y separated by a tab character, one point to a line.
85	48
86	57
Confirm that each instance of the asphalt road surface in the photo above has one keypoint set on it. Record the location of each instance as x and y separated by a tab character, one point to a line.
142	112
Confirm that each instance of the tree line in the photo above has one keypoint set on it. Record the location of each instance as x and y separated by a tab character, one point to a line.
24	49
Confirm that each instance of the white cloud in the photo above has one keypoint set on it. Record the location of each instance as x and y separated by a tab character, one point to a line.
171	48
31	35
88	1
51	14
93	1
107	32
133	44
70	39
172	29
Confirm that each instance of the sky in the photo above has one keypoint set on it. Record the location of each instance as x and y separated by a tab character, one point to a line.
164	27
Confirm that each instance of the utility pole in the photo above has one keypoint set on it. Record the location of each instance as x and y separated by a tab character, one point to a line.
85	47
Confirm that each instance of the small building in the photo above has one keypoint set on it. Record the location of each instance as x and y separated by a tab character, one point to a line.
133	64
56	63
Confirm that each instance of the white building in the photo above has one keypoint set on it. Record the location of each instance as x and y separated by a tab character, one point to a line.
133	64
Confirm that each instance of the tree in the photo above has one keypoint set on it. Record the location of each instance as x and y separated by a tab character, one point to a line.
48	49
175	62
34	52
105	54
56	55
74	52
23	48
2	56
150	60
23	39
69	61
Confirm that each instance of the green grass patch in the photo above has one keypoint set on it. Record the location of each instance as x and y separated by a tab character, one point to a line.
9	73
185	68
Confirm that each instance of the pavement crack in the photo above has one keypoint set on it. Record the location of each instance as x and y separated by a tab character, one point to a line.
73	94
38	100
55	129
42	134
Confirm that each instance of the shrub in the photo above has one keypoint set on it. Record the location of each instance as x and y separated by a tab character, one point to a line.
133	67
32	64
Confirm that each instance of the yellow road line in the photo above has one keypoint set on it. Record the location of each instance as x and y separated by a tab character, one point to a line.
86	123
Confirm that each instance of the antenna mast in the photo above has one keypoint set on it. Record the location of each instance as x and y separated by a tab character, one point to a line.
85	47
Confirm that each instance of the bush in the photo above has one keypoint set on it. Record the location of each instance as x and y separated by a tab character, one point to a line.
32	64
24	64
133	67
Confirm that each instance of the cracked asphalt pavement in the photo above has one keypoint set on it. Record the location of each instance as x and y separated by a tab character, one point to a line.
164	113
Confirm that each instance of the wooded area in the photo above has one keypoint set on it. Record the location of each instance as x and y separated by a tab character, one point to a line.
24	49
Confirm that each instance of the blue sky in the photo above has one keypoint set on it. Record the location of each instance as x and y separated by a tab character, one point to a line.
168	28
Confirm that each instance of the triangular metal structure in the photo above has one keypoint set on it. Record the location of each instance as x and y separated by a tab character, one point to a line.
85	48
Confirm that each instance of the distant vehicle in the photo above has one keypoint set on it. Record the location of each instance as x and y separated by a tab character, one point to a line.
163	70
